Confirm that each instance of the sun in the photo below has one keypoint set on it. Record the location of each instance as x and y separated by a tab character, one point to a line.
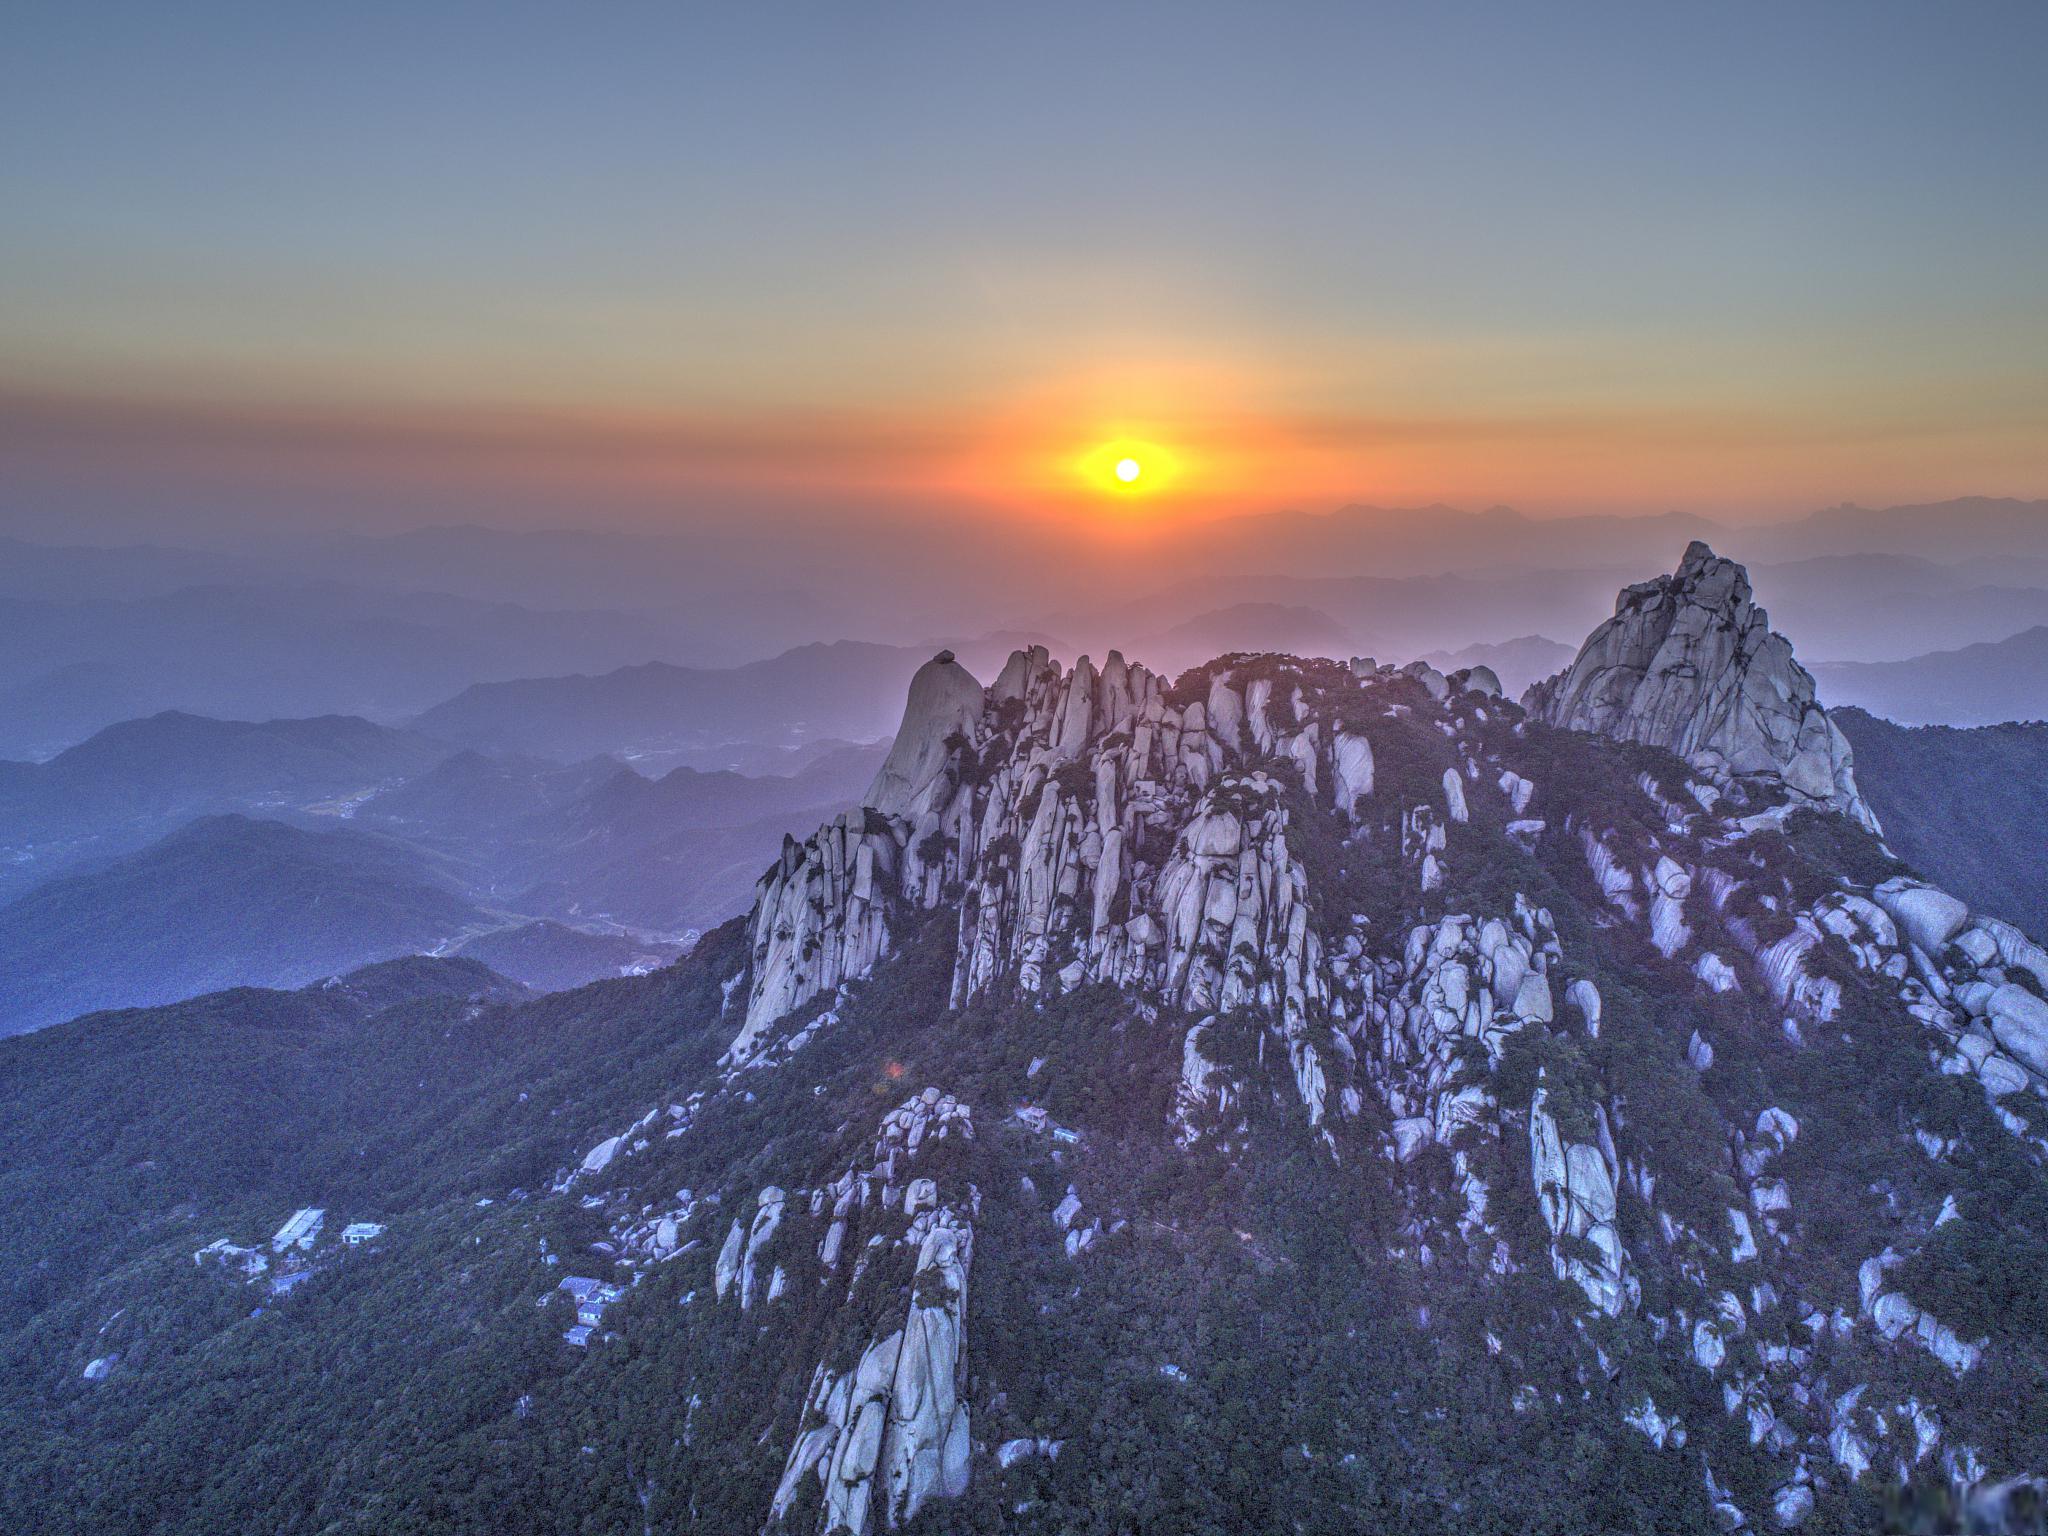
1127	468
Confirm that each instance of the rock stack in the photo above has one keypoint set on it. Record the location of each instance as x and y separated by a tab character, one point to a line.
1691	664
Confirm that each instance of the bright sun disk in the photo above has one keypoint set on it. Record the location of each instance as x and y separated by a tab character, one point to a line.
1127	469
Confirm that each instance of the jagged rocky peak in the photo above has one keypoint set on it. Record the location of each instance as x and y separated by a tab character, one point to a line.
1094	823
1690	663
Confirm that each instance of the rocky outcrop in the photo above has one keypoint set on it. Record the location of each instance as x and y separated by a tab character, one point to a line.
1093	831
820	917
890	1431
1201	847
1575	1187
893	1432
1690	663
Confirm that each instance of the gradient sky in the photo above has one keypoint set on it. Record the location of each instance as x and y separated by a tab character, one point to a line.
384	264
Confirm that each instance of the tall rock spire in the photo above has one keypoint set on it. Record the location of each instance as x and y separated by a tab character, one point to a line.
944	700
1690	663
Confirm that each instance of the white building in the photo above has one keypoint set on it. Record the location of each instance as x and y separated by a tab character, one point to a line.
579	1336
301	1231
361	1232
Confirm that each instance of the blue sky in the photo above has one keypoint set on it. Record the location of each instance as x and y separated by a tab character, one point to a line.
1687	253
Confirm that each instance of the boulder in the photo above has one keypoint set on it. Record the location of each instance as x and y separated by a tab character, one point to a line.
1483	680
2020	1021
1454	796
1585	997
1351	772
1928	917
1791	1504
1575	1190
728	1260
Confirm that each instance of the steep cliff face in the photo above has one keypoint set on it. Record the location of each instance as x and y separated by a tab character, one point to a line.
1637	1060
1689	663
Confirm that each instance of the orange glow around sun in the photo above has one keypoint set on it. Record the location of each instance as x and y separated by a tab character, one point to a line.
1124	452
1128	467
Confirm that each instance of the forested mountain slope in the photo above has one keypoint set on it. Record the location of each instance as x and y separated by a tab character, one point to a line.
1965	805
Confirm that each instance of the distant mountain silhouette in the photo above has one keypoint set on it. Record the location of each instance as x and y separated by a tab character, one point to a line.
1981	684
225	902
1517	663
850	689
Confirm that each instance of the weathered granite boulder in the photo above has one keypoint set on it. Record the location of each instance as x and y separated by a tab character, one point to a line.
1351	775
1927	917
2020	1021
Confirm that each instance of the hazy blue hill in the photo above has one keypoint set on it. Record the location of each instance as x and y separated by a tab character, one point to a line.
226	901
1981	684
678	852
175	763
849	689
601	843
686	797
1964	527
1878	607
71	571
1362	540
1965	805
471	794
691	878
